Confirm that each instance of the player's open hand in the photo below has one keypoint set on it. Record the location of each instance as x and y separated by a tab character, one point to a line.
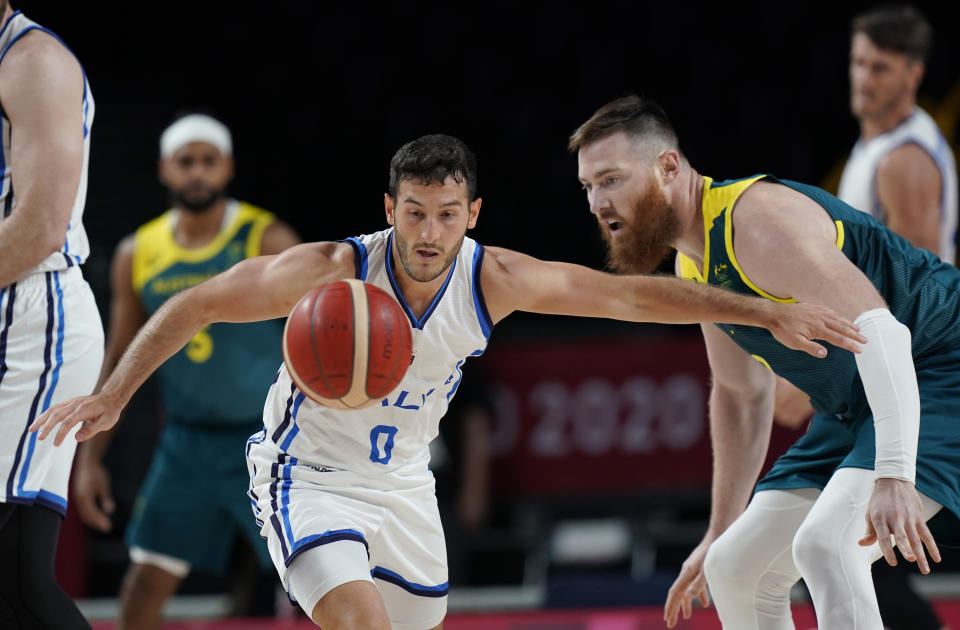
895	512
97	413
797	325
690	584
91	493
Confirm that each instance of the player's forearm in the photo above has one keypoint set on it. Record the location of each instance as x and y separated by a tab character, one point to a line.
168	330
739	434
669	300
25	244
890	382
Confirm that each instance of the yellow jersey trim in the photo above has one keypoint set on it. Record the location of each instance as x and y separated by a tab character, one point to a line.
761	360
255	240
716	201
156	250
689	269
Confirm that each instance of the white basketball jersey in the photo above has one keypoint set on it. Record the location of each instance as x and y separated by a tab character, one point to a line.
75	247
858	183
393	435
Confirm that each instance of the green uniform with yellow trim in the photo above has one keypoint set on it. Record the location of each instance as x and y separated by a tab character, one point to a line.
921	292
194	499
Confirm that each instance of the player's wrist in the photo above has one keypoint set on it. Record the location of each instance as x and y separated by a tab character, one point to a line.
889	481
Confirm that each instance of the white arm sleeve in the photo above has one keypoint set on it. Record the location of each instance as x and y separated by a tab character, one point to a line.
890	381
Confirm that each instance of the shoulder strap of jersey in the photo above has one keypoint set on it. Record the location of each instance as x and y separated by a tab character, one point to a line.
153	250
259	219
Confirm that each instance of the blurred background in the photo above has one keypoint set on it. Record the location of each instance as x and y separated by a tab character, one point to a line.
591	483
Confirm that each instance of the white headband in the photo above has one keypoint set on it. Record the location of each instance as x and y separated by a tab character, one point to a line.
196	128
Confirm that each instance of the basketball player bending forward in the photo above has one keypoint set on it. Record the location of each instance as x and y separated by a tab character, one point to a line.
345	498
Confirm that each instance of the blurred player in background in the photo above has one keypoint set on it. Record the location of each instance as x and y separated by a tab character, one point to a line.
51	339
346	498
902	172
192	504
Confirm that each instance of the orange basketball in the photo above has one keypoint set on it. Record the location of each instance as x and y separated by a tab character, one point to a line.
347	344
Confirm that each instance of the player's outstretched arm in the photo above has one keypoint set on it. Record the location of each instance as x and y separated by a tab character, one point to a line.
517	282
41	91
266	287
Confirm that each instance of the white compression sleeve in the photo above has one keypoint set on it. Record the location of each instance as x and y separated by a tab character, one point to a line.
890	381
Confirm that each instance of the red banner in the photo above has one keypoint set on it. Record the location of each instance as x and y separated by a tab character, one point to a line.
609	415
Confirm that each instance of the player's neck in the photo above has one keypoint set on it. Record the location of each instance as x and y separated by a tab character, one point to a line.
6	15
689	210
873	126
196	229
418	295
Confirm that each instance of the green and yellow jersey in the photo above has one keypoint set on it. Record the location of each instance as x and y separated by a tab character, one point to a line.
921	292
222	375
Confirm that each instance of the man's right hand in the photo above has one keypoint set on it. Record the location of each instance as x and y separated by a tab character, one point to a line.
690	584
98	412
91	493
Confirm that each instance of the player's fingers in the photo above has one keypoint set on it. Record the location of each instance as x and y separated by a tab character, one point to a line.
883	541
670	609
917	547
63	415
93	517
704	595
811	347
91	427
686	605
924	532
50	417
904	544
62	432
674	599
843	336
869	536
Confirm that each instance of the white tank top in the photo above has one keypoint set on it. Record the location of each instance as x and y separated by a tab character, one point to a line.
858	183
394	435
75	248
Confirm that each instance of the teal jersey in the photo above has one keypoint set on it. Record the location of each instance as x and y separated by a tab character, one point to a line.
222	375
921	292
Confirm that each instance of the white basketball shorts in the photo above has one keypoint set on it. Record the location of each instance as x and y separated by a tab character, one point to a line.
51	349
326	527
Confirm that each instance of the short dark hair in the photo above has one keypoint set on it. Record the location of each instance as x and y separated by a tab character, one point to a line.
898	27
635	115
434	158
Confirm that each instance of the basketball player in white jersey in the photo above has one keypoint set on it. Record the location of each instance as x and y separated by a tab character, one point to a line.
51	340
901	170
345	498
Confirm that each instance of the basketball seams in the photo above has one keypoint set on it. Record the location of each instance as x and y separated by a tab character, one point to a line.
314	307
356	395
406	342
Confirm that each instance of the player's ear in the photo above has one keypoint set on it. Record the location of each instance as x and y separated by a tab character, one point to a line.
474	212
162	171
389	208
915	71
230	165
669	162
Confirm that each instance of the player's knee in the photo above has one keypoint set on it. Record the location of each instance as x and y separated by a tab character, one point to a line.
812	545
145	586
351	618
725	563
